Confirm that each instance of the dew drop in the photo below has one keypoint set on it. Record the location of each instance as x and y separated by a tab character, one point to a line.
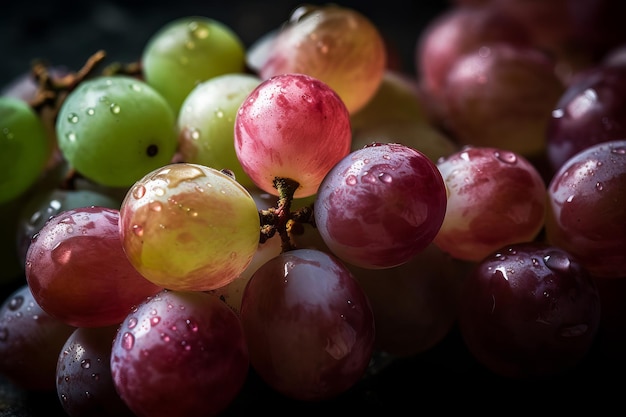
351	180
137	230
599	186
90	111
198	30
385	177
71	136
506	156
115	108
219	113
16	302
139	191
132	322
557	261
194	133
367	177
72	118
85	364
135	87
155	206
570	199
128	341
619	151
165	337
155	320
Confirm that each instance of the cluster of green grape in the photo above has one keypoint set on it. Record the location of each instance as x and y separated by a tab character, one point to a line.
292	208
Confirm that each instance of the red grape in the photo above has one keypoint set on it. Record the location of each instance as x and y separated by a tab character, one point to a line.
179	353
380	205
78	271
587	208
291	126
308	324
529	310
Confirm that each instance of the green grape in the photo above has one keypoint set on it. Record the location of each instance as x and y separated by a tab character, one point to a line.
24	147
188	51
207	119
189	227
115	129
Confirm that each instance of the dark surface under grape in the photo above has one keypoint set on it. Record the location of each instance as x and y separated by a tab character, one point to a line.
445	378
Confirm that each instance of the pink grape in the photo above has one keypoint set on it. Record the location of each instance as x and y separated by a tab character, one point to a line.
78	271
308	324
179	353
380	205
495	197
587	208
529	310
291	126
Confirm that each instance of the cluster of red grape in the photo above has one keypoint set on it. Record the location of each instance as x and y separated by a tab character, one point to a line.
295	208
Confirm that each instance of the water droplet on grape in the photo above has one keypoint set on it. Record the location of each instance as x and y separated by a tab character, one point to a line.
115	108
135	87
85	364
506	157
599	186
71	136
165	337
570	199
90	111
128	341
132	322
199	30
137	230
558	113
351	180
190	45
16	302
385	177
219	113
155	320
619	151
557	261
192	325
72	118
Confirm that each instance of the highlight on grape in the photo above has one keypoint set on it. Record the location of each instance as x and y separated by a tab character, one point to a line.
220	227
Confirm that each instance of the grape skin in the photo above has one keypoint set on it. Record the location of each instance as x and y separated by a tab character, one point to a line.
179	353
380	205
305	308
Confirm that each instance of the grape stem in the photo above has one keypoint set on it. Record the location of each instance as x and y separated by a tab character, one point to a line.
280	219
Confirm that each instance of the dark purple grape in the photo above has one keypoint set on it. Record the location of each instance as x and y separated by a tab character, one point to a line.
30	341
180	354
529	310
84	383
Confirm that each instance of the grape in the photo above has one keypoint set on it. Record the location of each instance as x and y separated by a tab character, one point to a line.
308	324
78	272
188	51
30	341
587	208
24	147
380	205
179	354
83	375
458	32
189	227
113	130
38	210
495	197
414	304
337	45
590	111
483	98
291	126
529	310
207	119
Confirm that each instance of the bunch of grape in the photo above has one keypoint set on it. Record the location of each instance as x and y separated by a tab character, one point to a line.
300	212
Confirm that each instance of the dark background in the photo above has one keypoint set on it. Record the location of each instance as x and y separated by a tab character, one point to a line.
66	33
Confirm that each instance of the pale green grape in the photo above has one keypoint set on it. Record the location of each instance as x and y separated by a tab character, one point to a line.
207	119
114	130
187	51
24	147
189	227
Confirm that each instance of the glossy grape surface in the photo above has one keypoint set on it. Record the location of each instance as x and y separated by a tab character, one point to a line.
30	341
529	310
189	227
308	324
291	126
587	208
495	198
381	205
24	147
337	45
207	119
83	374
188	51
78	272
114	130
179	353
